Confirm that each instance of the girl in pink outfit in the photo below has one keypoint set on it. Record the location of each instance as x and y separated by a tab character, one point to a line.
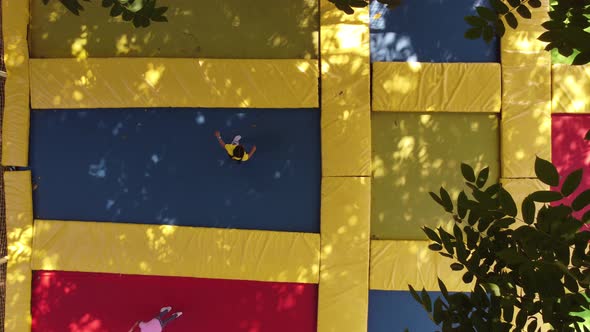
157	323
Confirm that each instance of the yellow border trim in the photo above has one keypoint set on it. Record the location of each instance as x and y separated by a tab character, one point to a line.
397	264
153	82
526	97
176	251
346	99
432	87
19	230
15	123
343	293
571	89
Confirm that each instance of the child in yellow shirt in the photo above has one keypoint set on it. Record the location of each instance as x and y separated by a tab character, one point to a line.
235	150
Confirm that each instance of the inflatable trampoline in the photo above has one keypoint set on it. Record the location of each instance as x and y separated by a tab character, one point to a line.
119	199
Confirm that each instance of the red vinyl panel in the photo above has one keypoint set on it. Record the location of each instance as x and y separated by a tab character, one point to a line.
98	302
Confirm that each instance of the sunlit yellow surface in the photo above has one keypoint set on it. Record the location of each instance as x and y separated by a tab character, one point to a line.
571	89
526	97
446	87
19	233
153	82
176	251
15	122
345	103
231	29
343	291
416	153
397	264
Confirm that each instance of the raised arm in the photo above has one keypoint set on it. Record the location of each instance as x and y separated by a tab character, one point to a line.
252	151
218	136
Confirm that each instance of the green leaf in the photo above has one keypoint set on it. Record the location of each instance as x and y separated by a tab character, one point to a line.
582	59
488	34
572	182
524	11
438	312
462	205
358	3
528	210
474	33
435	247
532	326
446	241
535	3
426	302
466	170
507	203
546	172
493	288
511	257
415	294
159	11
521	318
514	3
443	288
116	10
511	20
486	13
571	284
128	16
160	19
482	177
446	199
431	234
472	237
436	199
581	201
499	6
458	233
457	266
467	277
475	21
587	136
508	305
546	196
500	28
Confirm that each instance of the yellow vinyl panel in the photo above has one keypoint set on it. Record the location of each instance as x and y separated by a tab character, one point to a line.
571	89
345	74
526	97
176	251
445	87
397	264
153	82
343	290
230	29
19	233
15	122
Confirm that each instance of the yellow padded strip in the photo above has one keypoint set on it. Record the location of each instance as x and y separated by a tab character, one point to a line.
571	89
346	113
395	264
345	231
445	87
153	82
526	96
19	230
176	251
15	123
